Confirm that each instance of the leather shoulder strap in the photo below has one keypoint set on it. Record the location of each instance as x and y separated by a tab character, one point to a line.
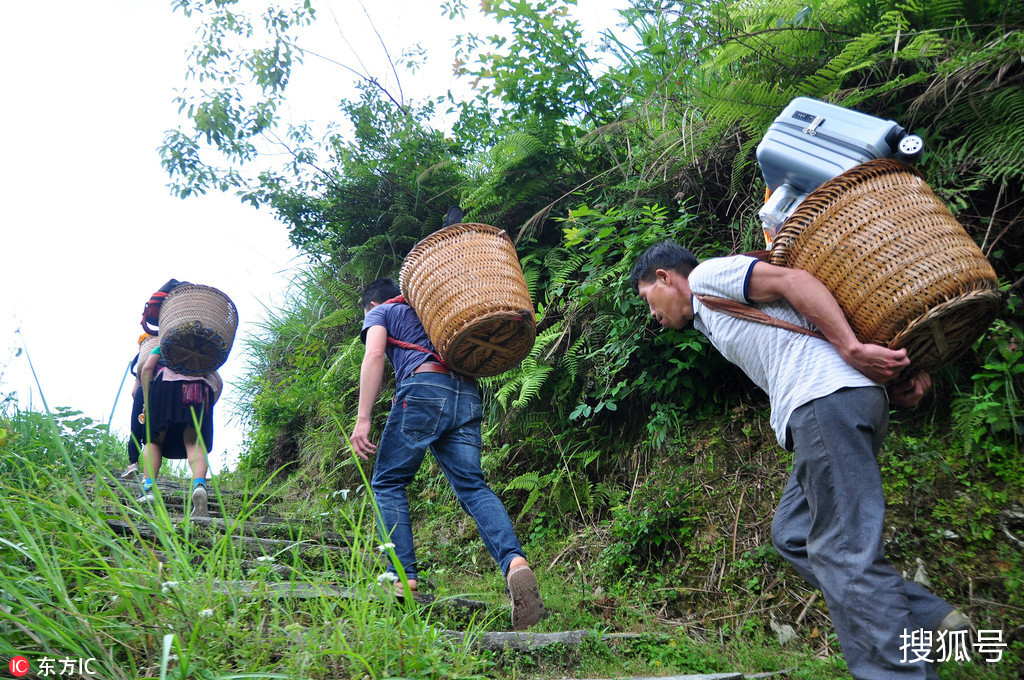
742	311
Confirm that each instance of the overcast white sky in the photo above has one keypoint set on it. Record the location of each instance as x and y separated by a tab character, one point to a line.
88	228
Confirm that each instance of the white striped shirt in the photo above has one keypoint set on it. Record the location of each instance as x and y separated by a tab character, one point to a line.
791	367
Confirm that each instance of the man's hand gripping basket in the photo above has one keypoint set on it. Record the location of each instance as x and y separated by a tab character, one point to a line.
197	329
904	272
467	287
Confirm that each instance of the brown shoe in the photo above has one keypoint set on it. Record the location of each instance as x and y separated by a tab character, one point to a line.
527	607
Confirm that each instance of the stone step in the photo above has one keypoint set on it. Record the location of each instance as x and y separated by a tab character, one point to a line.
255	528
707	676
133	484
524	641
307	590
288	572
308	551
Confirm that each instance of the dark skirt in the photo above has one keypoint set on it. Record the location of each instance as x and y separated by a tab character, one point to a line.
138	429
171	408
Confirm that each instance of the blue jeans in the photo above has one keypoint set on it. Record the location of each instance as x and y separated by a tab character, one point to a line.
442	412
829	526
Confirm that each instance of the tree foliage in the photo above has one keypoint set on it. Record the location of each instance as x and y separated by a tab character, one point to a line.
586	158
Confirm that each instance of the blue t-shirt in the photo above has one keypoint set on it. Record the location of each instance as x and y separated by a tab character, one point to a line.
401	323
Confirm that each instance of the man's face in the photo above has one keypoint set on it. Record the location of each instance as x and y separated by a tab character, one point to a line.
668	298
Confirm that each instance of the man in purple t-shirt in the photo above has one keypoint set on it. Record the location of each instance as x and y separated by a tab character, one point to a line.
436	408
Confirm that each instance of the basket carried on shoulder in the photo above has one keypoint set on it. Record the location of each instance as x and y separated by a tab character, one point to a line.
147	346
197	329
468	290
903	270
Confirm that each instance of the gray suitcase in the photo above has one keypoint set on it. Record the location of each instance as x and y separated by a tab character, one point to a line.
812	141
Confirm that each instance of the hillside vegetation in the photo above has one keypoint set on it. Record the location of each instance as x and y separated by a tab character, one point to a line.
638	462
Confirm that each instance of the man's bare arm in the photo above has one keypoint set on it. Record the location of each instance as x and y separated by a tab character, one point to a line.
815	302
371	375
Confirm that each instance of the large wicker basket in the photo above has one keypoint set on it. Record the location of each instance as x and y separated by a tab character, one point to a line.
197	329
904	272
146	347
467	287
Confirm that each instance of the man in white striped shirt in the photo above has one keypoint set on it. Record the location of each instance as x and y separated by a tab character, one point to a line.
830	407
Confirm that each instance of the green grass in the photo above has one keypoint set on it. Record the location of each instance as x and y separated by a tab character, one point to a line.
72	587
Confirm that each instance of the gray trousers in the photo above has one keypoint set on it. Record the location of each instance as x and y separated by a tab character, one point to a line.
829	526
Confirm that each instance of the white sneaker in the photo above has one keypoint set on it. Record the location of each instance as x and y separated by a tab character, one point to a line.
147	496
199	501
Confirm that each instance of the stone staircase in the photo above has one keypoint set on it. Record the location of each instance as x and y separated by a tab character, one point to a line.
273	544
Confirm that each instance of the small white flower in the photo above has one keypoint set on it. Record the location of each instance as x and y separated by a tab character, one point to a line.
114	599
387	577
168	586
386	546
205	613
264	558
344	494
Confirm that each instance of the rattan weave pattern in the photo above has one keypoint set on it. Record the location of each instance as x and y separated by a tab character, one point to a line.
903	270
467	287
197	329
146	348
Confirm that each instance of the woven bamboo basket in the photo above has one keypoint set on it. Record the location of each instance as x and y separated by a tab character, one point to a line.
197	329
467	287
904	272
146	348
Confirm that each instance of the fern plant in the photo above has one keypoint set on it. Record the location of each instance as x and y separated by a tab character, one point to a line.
989	418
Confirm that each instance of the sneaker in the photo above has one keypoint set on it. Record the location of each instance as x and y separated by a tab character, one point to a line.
527	606
199	501
955	621
954	624
130	471
147	495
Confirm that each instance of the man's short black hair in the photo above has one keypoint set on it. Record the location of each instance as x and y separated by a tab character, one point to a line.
664	255
380	291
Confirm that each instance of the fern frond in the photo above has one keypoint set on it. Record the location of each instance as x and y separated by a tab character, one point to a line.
993	135
533	379
570	360
856	55
338	317
545	338
508	389
531	275
529	481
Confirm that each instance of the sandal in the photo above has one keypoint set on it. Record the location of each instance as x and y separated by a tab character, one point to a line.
400	590
527	606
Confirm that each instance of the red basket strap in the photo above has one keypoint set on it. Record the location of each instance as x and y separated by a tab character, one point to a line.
400	300
418	348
